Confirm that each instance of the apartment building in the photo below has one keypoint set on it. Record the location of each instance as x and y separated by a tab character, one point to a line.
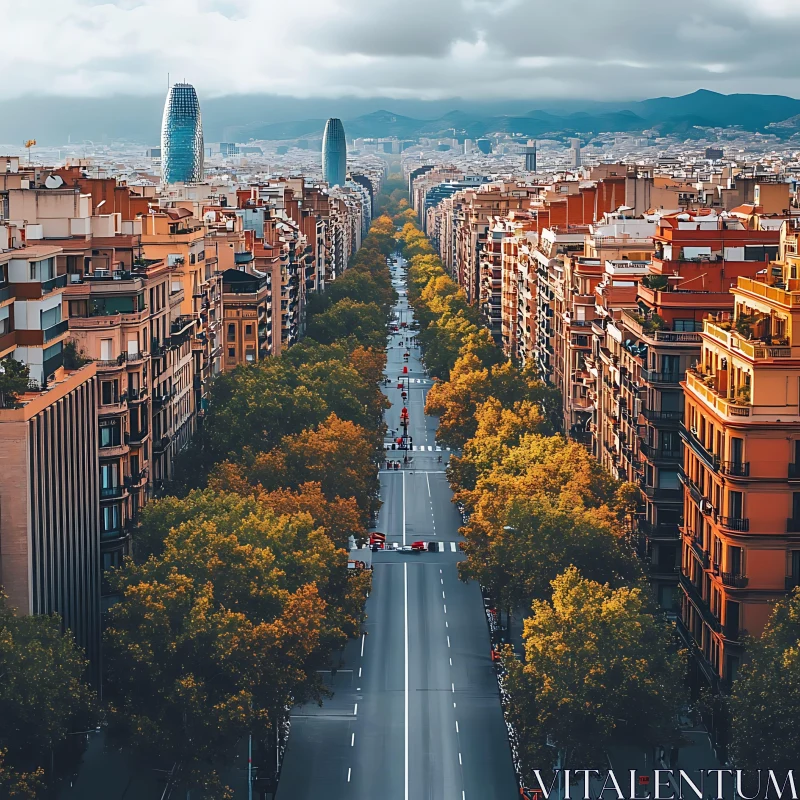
741	510
248	317
49	503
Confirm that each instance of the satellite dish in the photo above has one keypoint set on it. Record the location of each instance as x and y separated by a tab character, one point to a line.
54	182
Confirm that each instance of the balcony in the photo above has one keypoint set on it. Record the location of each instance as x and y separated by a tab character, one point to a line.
182	325
690	437
736	469
111	492
738	524
734	580
724	407
6	293
662	417
54	283
658	454
773	293
137	395
693	593
655	377
663	530
137	437
657	494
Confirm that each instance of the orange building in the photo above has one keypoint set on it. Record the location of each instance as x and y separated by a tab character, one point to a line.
741	546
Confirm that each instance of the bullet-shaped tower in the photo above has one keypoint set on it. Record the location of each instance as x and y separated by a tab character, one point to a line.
182	148
334	153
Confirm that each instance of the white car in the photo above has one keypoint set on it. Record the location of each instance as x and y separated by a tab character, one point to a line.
395	546
407	548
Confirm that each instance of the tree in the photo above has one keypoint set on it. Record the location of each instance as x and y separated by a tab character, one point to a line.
765	700
338	455
42	697
518	550
14	378
600	669
228	625
365	322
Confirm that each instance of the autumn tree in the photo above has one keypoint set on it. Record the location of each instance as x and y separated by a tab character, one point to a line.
338	455
765	700
600	669
214	637
43	698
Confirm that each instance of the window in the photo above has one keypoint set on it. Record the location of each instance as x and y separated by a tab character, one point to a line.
731	619
736	504
106	349
109	434
50	317
668	479
734	560
736	449
232	332
231	352
108	392
248	329
111	519
109	476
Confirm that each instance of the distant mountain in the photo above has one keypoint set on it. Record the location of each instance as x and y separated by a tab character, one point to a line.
751	111
52	120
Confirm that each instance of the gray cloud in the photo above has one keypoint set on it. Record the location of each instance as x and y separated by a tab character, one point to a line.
490	49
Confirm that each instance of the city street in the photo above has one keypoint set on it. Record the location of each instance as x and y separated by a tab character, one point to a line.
416	712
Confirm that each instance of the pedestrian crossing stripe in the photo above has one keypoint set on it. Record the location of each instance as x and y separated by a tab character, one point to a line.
420	448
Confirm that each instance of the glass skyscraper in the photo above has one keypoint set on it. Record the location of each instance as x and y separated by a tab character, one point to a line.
334	153
182	136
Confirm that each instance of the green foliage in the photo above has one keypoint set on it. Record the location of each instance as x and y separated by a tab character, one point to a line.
765	700
599	669
14	378
42	697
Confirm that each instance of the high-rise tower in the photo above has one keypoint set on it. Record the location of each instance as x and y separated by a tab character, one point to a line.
334	153
182	136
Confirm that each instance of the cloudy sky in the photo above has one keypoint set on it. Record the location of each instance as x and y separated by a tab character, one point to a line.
427	49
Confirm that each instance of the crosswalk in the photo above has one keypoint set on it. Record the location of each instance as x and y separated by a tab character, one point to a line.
420	448
443	547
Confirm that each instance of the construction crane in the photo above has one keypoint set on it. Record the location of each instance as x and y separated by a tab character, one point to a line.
28	144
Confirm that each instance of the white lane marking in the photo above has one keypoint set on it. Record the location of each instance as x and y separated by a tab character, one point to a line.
353	740
404	508
441	580
452	547
445	609
429	485
405	616
451	663
440	572
446	624
459	758
443	597
355	710
453	687
359	672
448	641
349	772
363	638
456	726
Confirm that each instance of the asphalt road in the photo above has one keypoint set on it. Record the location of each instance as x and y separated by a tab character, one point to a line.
415	713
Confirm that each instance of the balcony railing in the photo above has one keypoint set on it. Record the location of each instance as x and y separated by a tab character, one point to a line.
697	446
740	524
662	416
736	469
660	454
111	491
654	376
54	283
55	331
5	293
735	580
